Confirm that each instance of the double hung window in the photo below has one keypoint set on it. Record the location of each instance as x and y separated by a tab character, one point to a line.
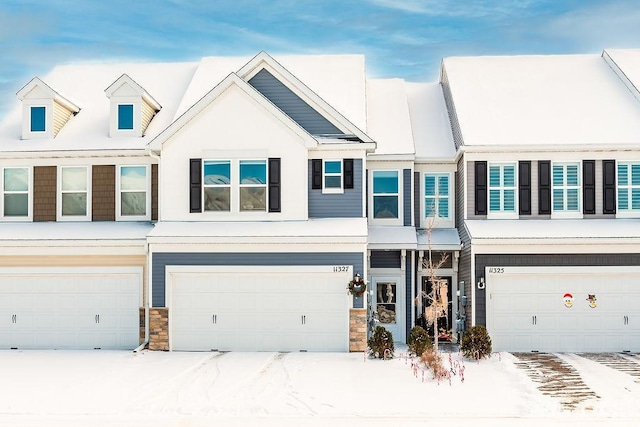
385	194
502	188
332	176
133	190
74	194
565	191
628	188
253	185
235	185
436	195
15	188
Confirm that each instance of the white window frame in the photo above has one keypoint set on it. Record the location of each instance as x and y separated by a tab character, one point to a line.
630	212
502	214
119	216
29	216
325	174
564	187
386	221
235	186
59	192
436	220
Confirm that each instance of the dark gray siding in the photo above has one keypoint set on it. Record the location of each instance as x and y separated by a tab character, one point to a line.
406	195
464	262
451	109
416	199
385	259
544	260
292	105
408	300
160	261
346	205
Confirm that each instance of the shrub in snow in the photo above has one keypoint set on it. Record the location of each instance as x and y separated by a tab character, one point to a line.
381	343
433	361
418	340
476	343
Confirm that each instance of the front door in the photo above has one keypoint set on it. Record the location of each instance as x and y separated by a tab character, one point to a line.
442	307
388	305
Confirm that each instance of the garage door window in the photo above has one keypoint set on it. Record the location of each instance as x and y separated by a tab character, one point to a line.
629	188
74	196
386	302
566	188
15	187
133	186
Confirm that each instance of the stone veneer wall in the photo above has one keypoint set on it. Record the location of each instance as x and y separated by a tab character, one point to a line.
159	329
357	329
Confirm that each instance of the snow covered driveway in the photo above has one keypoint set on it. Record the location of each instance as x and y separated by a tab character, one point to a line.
98	388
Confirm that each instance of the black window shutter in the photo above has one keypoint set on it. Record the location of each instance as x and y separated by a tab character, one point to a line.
274	185
589	186
195	180
347	177
544	187
609	186
481	187
524	187
316	174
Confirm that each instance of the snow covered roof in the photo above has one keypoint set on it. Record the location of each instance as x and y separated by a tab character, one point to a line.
626	63
545	230
73	231
430	122
392	238
388	117
541	100
84	84
441	239
325	230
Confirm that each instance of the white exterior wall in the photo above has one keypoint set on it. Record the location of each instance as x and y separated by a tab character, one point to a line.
233	126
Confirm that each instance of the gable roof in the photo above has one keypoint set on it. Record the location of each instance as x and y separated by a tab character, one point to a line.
37	82
515	101
126	80
626	64
232	79
264	61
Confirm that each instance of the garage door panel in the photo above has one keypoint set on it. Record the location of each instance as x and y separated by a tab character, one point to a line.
539	292
267	311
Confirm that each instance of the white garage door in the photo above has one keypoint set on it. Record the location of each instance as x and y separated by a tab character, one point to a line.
558	309
259	308
70	308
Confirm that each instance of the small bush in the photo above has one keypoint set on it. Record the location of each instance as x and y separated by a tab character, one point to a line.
418	340
381	343
476	343
433	361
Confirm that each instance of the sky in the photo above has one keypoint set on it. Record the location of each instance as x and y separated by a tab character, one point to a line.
400	38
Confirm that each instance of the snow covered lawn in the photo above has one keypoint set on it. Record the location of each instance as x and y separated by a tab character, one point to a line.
267	389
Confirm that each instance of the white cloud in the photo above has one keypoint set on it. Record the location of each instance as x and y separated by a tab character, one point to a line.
452	8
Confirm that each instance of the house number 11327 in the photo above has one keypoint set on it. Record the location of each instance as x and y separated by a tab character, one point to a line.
340	268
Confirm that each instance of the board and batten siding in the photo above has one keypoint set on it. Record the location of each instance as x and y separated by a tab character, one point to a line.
292	105
337	205
406	196
544	260
160	260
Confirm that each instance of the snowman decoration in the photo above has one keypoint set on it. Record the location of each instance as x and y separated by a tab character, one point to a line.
592	301
568	300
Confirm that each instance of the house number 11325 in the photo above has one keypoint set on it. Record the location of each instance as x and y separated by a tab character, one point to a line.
340	268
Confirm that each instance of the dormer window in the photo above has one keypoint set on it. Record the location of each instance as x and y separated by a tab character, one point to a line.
132	108
44	111
125	117
38	119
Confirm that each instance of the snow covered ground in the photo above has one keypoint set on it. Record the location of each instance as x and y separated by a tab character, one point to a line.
104	388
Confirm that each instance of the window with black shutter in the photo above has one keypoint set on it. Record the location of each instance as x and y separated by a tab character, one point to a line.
544	187
274	185
481	188
195	180
524	187
589	187
609	186
316	174
348	173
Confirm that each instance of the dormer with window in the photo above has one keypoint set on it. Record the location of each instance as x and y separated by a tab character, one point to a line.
44	111
132	108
